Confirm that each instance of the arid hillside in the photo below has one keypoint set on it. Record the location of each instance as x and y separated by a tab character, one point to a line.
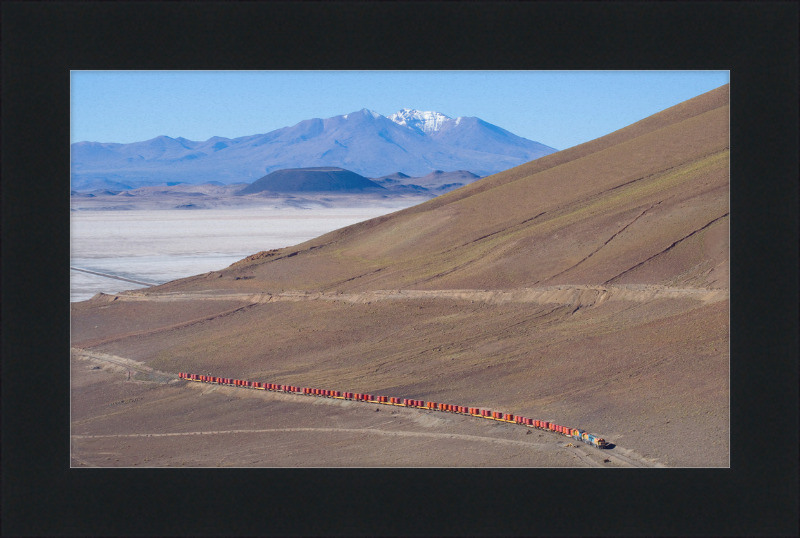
647	204
589	287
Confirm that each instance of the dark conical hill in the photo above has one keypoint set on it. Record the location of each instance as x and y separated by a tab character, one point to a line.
320	179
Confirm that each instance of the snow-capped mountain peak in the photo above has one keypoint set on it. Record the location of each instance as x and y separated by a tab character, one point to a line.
364	111
425	121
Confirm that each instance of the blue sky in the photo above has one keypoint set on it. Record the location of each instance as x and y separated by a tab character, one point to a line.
558	108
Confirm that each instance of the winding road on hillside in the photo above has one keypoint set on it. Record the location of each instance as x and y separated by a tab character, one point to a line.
583	295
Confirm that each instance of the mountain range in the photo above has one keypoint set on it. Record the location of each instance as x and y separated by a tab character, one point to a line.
413	142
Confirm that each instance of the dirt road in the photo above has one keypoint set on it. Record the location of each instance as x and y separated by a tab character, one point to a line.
564	294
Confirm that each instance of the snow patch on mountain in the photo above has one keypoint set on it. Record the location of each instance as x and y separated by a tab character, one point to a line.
364	111
425	121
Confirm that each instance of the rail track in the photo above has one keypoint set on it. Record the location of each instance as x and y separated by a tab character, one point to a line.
149	374
113	276
163	377
574	433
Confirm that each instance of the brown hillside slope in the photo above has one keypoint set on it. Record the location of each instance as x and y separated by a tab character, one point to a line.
646	204
649	376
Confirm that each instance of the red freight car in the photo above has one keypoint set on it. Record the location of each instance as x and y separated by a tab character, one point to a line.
507	417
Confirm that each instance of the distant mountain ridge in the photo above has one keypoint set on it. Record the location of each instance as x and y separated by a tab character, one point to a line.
437	182
365	142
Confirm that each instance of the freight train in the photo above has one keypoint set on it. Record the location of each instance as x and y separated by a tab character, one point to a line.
580	435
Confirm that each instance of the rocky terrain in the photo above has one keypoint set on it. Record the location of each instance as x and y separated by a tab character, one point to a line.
587	287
